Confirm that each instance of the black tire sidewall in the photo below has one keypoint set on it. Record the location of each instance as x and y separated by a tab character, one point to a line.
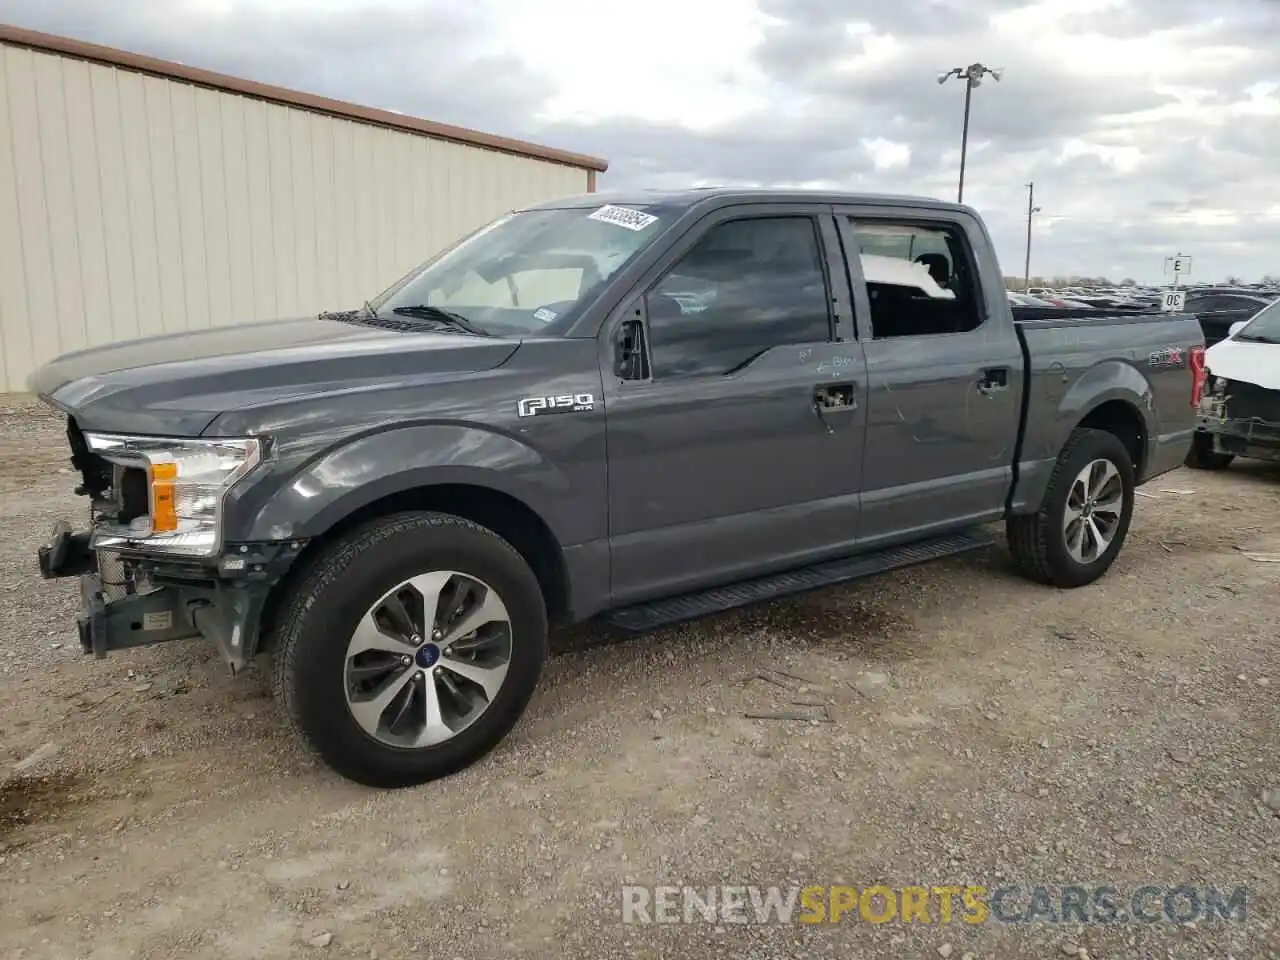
318	670
1095	445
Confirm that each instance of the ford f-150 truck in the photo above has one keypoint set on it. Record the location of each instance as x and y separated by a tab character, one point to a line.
642	407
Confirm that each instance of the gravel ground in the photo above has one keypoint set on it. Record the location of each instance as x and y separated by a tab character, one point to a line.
974	729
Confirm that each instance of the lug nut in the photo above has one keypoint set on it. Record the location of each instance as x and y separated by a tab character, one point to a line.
405	661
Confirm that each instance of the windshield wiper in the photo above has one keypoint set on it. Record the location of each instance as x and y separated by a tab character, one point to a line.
1257	338
424	312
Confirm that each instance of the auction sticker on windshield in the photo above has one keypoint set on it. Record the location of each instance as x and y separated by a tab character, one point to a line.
623	217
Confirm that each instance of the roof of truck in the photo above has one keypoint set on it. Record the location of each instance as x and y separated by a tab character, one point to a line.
693	196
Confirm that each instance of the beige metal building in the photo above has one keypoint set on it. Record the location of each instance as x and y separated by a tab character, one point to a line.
139	196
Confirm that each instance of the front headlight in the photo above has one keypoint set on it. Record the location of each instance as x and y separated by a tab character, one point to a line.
178	486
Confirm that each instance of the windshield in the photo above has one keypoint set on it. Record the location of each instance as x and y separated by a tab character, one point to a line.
1264	326
528	273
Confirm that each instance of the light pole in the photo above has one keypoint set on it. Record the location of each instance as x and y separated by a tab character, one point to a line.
972	76
1032	210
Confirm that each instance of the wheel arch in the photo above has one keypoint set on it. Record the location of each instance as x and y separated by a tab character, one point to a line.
1121	418
501	512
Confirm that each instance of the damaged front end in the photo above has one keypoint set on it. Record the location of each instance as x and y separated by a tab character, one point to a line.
154	565
1242	419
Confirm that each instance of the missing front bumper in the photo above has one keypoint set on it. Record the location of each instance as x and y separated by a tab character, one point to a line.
1253	439
229	615
135	620
148	601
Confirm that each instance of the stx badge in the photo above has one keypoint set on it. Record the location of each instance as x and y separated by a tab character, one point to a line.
1168	357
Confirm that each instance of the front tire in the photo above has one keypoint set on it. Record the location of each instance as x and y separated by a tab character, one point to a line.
1077	533
1202	456
409	648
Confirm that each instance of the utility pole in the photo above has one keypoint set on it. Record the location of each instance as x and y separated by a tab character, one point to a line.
1032	210
972	76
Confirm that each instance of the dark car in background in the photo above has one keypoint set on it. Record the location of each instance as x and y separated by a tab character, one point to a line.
1218	309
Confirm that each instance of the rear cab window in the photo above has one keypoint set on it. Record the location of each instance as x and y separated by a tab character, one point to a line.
921	277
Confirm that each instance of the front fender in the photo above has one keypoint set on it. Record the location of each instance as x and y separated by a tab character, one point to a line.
306	500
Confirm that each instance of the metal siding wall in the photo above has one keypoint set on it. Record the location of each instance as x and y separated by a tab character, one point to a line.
132	205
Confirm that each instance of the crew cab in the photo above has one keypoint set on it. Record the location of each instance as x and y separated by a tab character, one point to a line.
644	407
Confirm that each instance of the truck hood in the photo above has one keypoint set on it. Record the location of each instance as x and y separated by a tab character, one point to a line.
176	384
1256	363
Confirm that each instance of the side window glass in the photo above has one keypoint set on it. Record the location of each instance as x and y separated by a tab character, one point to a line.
746	286
920	278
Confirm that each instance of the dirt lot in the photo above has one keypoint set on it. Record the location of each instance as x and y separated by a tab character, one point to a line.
982	730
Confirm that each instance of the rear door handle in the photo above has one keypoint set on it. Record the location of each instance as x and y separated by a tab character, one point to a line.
834	397
994	379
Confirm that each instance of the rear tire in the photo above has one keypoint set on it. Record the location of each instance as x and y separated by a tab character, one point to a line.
343	704
1202	456
1049	546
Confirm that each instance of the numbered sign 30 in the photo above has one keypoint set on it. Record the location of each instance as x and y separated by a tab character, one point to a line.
1173	301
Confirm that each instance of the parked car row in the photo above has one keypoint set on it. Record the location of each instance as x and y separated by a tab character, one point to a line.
1217	308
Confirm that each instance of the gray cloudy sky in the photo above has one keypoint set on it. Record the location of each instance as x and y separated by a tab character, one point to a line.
1148	126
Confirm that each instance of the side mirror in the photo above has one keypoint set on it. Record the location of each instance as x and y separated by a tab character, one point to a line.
629	358
1237	327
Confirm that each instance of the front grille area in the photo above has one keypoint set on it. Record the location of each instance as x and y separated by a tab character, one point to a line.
116	578
1248	401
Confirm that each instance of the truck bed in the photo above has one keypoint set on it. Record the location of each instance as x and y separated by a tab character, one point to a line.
1213	325
1044	314
1067	360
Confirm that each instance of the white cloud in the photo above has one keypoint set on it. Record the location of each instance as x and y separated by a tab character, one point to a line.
664	61
1145	126
886	154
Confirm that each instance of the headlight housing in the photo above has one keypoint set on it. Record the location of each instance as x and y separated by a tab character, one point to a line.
170	490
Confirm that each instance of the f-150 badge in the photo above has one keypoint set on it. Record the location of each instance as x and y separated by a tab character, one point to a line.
564	403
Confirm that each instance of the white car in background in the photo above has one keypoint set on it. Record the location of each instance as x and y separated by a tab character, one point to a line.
1240	407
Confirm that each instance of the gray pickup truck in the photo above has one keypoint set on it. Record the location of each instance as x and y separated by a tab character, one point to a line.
643	407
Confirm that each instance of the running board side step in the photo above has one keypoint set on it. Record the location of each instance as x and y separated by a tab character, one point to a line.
647	616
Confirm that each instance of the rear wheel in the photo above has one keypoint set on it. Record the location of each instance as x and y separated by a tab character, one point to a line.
1080	527
1202	456
410	647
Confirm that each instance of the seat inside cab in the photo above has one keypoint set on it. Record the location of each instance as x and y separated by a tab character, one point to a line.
919	280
